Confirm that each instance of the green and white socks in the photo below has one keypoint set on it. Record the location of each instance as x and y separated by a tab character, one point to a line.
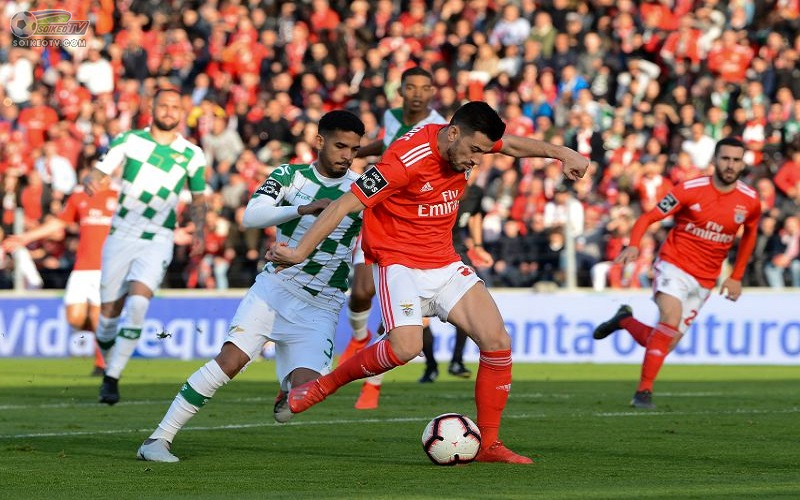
195	393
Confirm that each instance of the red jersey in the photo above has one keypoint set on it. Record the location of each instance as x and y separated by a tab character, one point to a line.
94	214
706	223
412	197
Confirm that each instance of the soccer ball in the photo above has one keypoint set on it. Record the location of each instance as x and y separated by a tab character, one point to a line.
451	439
23	24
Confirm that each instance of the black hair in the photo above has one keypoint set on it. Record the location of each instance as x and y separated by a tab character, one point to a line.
415	71
729	141
340	119
477	116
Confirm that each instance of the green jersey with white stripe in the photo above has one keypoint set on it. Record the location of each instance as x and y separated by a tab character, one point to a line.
322	278
153	176
394	127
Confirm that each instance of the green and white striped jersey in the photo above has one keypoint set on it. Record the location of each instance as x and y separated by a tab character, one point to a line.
394	127
153	176
322	278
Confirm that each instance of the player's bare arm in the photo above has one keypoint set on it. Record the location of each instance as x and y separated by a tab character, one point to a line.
282	255
95	181
627	255
475	225
574	164
374	148
197	212
315	207
49	228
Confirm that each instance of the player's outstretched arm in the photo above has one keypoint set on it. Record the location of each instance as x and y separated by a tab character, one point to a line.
50	227
574	164
282	255
374	148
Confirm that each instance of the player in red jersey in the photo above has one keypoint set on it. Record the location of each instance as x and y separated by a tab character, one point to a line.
411	197
82	294
708	213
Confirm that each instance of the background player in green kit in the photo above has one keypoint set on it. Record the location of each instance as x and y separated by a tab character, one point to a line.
157	162
297	308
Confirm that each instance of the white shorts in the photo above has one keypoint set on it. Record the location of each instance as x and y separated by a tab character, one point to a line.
303	333
358	252
407	295
674	281
126	260
83	287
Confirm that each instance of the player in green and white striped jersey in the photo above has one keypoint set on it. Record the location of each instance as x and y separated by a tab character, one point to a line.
157	163
297	307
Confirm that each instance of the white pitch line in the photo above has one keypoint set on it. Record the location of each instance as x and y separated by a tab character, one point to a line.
139	402
693	394
302	423
737	411
143	402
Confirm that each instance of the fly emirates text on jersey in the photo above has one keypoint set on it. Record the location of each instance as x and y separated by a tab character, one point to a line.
448	206
712	232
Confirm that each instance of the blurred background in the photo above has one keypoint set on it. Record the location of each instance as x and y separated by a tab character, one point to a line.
641	88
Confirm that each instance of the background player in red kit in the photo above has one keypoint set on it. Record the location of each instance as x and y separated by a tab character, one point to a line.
411	198
708	213
82	295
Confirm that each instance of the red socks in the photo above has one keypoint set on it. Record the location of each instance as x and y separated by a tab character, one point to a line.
657	349
373	360
492	386
638	330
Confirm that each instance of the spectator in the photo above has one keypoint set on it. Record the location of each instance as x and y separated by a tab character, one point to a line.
222	147
96	72
785	255
56	171
16	76
511	29
699	146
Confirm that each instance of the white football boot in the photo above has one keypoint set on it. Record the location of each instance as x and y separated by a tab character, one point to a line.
156	450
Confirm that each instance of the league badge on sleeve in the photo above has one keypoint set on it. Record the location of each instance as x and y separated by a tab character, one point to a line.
271	188
667	203
371	182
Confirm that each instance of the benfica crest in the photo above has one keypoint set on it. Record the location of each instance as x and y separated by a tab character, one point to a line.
408	308
739	214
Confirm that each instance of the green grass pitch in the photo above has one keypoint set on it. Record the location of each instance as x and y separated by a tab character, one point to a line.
719	431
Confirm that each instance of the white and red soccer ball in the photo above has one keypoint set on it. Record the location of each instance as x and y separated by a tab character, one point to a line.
451	439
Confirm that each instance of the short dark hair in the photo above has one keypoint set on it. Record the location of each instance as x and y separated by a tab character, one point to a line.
477	116
164	90
340	119
729	141
415	71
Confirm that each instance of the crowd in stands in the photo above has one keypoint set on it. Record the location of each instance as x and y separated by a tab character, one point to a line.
642	88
